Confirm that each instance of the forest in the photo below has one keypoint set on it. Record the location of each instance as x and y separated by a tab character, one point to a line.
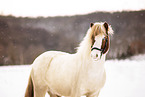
22	39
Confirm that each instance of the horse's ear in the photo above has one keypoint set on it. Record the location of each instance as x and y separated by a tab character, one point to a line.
106	26
91	25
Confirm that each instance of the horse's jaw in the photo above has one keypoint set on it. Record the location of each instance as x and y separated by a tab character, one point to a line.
101	58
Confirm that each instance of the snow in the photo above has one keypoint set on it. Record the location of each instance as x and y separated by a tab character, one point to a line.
138	57
125	78
13	80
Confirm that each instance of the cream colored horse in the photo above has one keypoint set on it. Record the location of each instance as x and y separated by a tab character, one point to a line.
74	75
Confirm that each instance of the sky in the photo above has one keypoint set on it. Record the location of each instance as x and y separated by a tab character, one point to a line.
34	8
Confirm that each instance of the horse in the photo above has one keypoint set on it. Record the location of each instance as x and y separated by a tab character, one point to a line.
72	75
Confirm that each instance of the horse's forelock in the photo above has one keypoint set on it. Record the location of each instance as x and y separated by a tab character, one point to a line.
96	30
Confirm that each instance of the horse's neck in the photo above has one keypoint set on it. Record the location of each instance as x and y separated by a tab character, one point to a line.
84	51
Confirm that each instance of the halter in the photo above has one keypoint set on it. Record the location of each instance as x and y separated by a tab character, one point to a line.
102	49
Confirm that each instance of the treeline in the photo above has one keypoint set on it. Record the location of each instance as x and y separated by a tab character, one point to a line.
23	39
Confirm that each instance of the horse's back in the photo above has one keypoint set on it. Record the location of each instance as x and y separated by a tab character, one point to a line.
46	56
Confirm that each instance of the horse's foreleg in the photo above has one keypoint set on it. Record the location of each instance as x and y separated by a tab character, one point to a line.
53	95
40	92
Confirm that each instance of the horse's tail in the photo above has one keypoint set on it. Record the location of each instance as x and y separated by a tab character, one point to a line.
30	89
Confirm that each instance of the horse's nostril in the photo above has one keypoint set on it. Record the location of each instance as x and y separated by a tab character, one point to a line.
96	55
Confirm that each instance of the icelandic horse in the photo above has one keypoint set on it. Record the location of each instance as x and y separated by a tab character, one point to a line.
73	75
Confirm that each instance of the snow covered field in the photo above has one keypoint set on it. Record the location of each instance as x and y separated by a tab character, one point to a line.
125	78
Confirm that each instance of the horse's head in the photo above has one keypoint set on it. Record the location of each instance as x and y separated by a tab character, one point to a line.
100	39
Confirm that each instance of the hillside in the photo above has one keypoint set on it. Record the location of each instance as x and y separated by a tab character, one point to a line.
23	39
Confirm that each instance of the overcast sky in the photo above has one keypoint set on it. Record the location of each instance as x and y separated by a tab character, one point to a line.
46	8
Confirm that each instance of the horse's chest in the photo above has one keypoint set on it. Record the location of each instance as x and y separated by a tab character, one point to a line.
94	79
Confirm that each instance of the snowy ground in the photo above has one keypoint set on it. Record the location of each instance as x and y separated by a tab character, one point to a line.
125	78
